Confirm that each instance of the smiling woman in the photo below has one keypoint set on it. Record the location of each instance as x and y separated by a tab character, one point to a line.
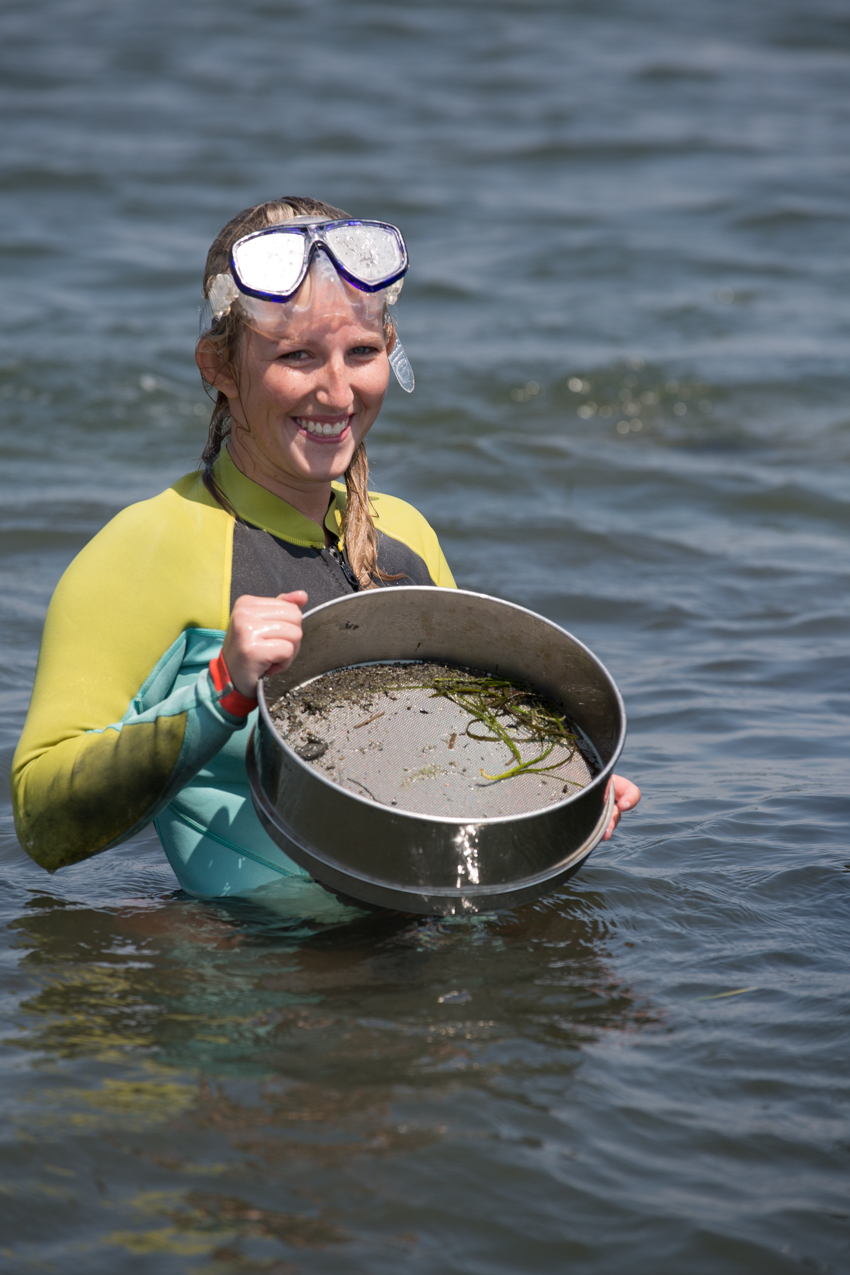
160	629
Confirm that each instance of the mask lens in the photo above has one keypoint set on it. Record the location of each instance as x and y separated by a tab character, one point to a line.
270	262
369	253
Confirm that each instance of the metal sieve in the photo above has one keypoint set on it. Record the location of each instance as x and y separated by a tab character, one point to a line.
416	860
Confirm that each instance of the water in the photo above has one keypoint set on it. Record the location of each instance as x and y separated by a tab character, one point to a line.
635	206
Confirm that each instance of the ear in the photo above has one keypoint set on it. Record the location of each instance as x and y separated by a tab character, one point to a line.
389	328
213	368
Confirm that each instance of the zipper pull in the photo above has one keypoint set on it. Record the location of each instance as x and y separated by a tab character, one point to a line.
346	569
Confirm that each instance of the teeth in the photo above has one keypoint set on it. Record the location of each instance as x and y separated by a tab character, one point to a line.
319	429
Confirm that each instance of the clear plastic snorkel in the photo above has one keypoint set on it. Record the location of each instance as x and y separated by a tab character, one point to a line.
399	361
321	287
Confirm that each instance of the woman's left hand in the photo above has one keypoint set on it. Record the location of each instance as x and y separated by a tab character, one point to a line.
626	797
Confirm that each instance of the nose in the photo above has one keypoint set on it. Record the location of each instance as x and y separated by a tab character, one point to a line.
333	390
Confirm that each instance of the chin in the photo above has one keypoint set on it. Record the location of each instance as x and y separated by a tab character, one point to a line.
333	469
334	464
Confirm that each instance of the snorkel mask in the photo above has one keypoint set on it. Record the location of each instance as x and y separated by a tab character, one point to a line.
358	264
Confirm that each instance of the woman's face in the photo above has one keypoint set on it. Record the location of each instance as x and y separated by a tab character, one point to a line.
307	397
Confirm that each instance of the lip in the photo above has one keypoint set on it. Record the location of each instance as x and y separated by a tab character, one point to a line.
326	439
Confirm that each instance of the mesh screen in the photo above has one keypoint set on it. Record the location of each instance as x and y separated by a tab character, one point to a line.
372	730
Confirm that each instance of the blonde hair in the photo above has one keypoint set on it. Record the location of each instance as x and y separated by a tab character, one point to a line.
358	529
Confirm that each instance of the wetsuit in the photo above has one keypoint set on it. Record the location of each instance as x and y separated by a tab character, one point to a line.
128	723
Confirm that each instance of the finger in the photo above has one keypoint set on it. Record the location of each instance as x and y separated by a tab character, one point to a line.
264	609
248	611
259	644
275	658
274	653
628	800
298	596
260	628
264	630
626	794
615	819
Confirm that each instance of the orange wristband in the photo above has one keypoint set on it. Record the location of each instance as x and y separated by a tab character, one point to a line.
234	701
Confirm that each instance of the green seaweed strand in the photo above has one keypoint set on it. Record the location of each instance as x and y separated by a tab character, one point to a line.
485	700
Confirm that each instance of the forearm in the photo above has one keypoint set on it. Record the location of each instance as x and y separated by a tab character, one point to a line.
97	788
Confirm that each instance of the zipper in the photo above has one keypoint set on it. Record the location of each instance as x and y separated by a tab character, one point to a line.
342	562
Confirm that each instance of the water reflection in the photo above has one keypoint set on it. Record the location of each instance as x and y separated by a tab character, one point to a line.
242	1061
225	988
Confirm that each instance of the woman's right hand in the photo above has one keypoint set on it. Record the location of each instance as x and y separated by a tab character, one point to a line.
262	638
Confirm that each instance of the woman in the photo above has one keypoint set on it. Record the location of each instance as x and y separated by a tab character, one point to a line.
159	630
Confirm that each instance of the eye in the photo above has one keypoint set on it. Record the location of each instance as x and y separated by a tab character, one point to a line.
295	356
363	351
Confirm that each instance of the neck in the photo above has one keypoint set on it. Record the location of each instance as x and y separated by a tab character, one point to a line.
310	499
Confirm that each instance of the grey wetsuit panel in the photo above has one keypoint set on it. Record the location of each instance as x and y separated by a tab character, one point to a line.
264	566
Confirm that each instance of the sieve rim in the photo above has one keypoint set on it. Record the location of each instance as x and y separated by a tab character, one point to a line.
453	821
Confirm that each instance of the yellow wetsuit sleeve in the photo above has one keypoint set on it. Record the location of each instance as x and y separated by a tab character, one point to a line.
108	737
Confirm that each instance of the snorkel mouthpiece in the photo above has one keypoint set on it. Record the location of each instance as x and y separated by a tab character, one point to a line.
400	365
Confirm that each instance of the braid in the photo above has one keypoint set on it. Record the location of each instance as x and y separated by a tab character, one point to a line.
358	530
224	333
218	435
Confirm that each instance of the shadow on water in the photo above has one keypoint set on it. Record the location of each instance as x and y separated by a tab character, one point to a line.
206	1041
